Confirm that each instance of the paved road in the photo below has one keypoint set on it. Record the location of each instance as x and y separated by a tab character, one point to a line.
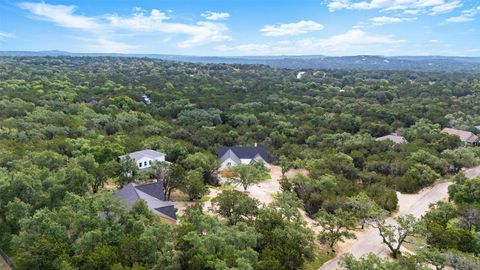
416	204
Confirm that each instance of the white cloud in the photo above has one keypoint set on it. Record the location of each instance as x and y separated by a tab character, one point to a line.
445	8
200	33
106	30
354	41
291	29
60	15
431	7
250	48
467	15
412	11
459	19
5	35
352	38
105	46
386	20
215	16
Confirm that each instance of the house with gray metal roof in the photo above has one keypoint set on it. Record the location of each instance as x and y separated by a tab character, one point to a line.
231	156
145	158
394	137
153	195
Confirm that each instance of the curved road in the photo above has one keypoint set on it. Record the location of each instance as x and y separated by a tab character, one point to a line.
369	240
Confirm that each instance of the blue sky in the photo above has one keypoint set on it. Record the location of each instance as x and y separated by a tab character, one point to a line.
244	27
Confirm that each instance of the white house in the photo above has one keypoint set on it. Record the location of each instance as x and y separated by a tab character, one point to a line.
147	100
145	158
231	156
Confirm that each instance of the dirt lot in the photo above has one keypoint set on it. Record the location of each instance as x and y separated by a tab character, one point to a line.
265	190
262	191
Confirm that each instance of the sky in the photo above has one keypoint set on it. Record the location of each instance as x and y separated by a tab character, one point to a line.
244	27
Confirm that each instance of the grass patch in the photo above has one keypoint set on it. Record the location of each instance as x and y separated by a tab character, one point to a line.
414	243
320	259
266	177
227	186
205	198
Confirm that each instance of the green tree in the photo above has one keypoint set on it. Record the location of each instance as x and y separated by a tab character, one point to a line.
459	158
417	177
368	262
288	204
245	175
285	165
335	227
207	163
235	206
364	208
174	178
282	244
205	243
193	185
394	235
465	190
128	171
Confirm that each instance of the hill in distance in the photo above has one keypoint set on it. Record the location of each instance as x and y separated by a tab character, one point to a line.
367	62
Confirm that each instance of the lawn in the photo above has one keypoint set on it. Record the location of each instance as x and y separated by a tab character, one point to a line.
321	258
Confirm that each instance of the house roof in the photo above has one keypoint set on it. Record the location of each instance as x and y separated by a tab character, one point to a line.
230	155
393	137
242	152
144	153
152	194
465	136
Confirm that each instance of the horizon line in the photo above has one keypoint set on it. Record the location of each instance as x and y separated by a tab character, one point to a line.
229	56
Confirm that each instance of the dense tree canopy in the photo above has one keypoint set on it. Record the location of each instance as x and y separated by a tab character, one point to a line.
64	121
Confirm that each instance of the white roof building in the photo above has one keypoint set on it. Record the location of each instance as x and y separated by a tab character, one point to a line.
145	158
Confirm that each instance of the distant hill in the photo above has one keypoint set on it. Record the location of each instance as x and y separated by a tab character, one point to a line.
368	62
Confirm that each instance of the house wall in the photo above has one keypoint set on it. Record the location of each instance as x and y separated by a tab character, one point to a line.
246	160
224	164
260	159
149	162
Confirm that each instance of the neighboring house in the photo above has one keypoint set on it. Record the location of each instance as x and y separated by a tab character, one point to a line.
394	137
147	100
465	136
145	158
231	156
153	195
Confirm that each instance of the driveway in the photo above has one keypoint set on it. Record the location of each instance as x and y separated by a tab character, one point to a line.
369	240
265	190
262	191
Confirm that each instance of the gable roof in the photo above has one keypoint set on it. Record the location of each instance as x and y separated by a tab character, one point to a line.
242	152
144	153
230	155
152	194
465	136
393	137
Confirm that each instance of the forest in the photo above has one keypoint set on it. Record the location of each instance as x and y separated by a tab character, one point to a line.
64	121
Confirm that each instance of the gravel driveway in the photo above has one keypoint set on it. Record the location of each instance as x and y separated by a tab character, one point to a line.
369	240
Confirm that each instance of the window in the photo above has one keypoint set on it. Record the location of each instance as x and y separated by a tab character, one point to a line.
229	164
150	162
145	163
140	164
